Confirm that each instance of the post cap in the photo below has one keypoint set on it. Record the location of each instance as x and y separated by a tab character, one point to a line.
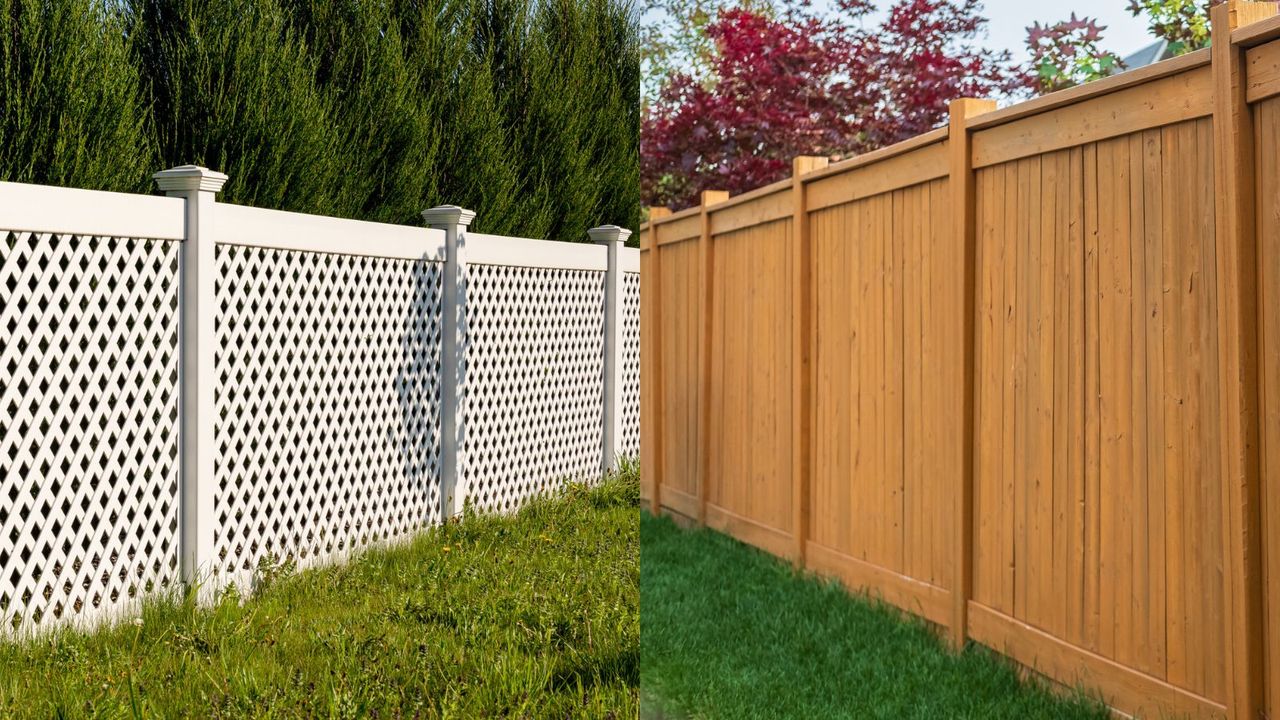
448	215
606	234
189	177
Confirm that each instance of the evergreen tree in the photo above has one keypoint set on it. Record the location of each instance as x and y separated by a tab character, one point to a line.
526	111
234	89
72	112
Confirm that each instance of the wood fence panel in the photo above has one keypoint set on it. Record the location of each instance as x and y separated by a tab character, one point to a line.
681	307
752	340
1097	491
650	367
887	439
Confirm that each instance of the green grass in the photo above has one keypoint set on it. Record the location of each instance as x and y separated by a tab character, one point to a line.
534	615
730	632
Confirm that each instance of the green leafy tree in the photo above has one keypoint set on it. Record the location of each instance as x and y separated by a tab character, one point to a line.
1067	53
674	39
1184	23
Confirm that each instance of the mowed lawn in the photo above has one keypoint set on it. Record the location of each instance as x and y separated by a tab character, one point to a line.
532	615
731	632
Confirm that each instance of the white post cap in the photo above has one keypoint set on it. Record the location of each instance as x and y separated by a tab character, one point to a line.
606	234
189	177
448	215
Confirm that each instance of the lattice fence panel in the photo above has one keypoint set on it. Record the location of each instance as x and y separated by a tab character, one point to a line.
534	369
89	464
631	363
328	398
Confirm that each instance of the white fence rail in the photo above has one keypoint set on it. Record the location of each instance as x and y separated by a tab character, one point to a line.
188	388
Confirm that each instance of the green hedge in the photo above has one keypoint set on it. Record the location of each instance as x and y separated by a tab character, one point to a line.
526	111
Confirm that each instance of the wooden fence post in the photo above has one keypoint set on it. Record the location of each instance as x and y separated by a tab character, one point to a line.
1237	290
651	354
706	256
964	221
803	352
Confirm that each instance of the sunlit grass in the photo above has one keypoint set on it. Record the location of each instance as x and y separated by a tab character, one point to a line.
532	615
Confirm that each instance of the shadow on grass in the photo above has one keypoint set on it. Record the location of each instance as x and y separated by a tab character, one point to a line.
728	631
621	668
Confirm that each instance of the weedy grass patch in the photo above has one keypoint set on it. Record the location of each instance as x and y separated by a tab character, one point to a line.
530	615
731	632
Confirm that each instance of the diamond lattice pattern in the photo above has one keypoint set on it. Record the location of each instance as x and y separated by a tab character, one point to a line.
631	364
534	372
88	424
328	401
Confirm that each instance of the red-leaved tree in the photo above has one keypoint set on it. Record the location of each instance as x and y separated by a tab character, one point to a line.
800	83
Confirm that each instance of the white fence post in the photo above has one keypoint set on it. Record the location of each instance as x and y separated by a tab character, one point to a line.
614	238
453	371
198	187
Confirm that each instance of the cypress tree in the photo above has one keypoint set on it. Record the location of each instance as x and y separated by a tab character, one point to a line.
526	111
234	89
387	145
73	112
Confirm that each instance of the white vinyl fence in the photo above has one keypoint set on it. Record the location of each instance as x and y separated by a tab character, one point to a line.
190	388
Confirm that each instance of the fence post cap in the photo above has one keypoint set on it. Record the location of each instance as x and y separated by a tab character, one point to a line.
448	215
189	177
606	234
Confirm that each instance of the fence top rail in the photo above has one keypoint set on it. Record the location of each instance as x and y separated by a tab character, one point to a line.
525	252
754	194
687	212
282	230
876	156
72	211
1097	88
1257	33
629	260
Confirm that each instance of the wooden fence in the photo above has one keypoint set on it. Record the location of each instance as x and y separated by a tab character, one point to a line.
1018	375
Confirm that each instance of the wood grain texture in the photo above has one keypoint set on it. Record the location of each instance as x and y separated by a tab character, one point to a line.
803	347
1121	687
1097	520
1237	288
1267	153
1162	101
678	430
702	337
959	245
888	314
752	379
650	367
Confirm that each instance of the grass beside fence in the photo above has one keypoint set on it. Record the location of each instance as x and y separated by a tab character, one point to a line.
531	615
730	632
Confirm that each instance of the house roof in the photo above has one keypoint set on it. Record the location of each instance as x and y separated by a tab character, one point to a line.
1155	52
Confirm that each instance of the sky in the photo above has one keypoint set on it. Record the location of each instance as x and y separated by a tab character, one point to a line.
1009	20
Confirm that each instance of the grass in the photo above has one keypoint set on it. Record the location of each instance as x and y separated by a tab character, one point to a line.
533	615
730	632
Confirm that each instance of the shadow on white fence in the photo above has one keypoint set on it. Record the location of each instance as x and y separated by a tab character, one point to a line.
188	387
